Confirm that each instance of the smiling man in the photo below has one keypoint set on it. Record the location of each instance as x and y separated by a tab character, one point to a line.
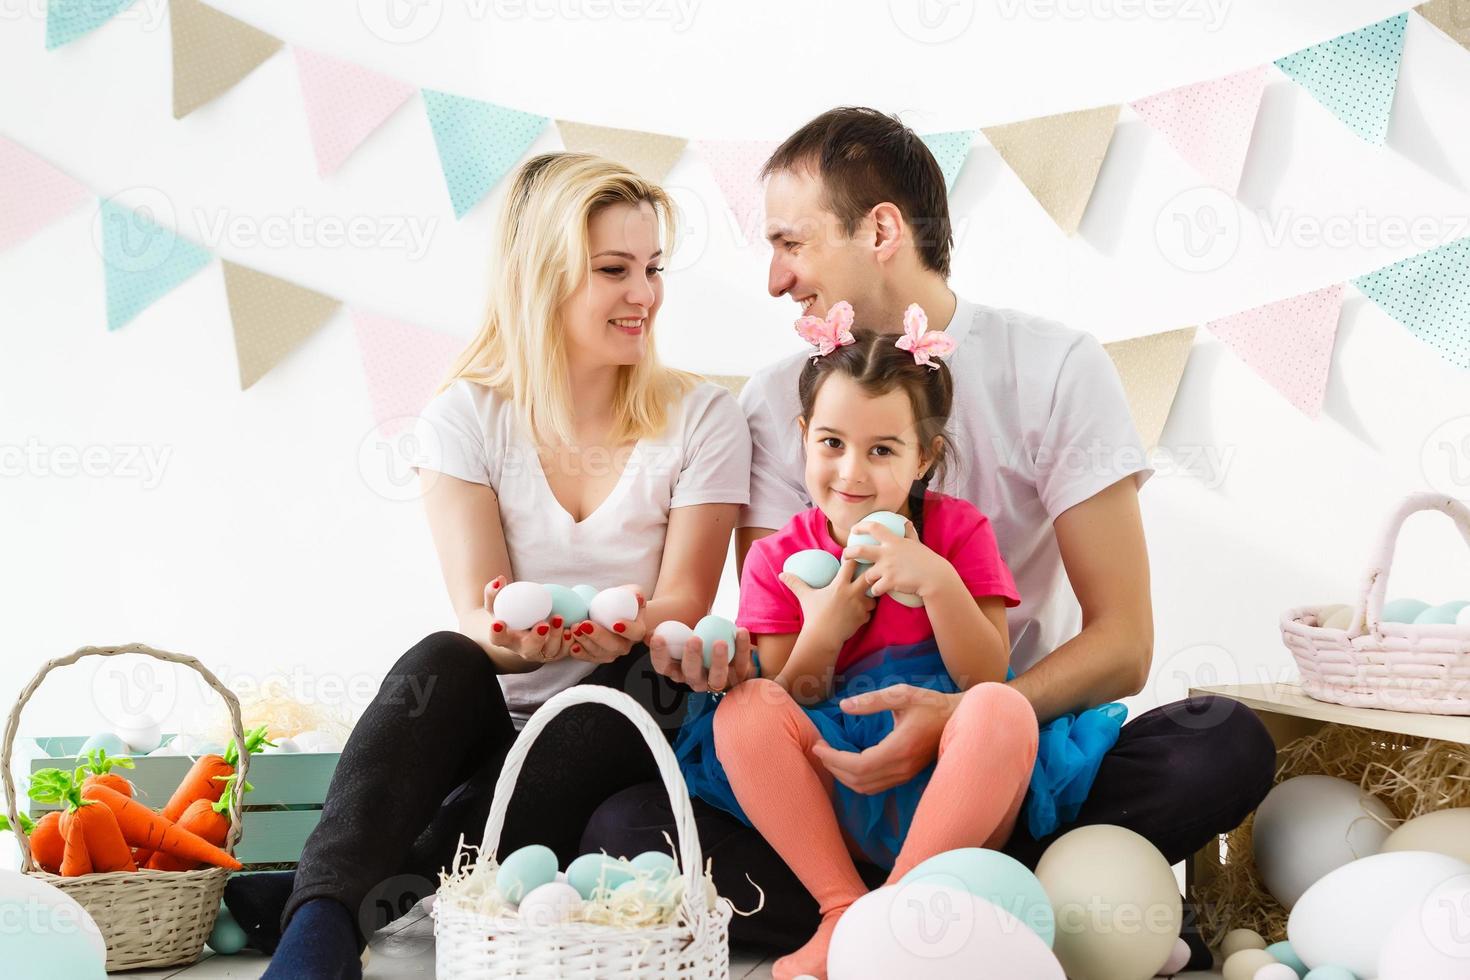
856	210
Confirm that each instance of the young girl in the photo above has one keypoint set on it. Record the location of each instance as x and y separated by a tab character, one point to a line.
873	418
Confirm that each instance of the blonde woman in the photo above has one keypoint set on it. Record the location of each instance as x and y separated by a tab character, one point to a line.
560	451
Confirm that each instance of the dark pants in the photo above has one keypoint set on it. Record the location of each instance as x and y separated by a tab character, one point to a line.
420	770
1178	775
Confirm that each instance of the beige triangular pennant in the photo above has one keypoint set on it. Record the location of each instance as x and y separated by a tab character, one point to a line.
212	52
1449	16
650	155
1058	158
1151	368
730	382
271	317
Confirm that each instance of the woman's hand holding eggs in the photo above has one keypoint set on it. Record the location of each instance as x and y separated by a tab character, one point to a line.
522	623
614	624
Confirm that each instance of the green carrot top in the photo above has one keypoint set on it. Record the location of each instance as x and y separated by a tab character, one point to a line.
26	823
60	787
99	763
254	739
228	796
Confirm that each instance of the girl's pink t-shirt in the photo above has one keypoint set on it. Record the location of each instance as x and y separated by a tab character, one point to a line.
954	529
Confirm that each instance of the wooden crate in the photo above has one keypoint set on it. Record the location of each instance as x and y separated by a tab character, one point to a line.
1288	714
279	813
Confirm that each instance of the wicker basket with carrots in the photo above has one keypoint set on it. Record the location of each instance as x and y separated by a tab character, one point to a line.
159	911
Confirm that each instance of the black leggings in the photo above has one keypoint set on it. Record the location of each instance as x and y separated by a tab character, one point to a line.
420	769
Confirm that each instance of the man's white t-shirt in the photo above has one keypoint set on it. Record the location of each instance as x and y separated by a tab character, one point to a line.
702	457
1040	423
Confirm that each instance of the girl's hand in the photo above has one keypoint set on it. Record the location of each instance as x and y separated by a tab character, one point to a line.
836	610
899	564
540	644
598	645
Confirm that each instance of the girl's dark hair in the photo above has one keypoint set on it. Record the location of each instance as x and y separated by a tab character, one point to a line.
879	366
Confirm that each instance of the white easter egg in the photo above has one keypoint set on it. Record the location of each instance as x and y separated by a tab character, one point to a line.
1432	940
675	634
282	745
521	605
1244	964
618	604
167	748
141	732
47	934
548	905
313	740
1238	939
1178	959
1276	971
1345	918
1310	825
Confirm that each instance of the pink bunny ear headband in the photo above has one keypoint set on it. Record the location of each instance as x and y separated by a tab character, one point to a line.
835	330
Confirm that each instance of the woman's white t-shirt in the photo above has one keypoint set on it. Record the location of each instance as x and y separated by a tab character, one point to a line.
702	457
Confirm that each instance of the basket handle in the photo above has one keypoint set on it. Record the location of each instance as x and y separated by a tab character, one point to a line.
1375	583
231	702
668	767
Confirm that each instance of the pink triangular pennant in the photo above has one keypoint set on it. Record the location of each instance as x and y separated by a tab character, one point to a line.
1209	124
32	193
736	165
404	364
1288	343
345	103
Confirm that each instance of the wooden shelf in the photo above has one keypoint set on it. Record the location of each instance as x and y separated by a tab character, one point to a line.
1289	700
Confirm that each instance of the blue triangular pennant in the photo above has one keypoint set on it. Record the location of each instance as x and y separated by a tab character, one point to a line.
1430	294
67	20
1354	75
478	143
143	261
950	149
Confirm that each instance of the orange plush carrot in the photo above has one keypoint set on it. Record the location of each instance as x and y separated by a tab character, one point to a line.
145	829
202	781
210	821
92	840
100	765
47	847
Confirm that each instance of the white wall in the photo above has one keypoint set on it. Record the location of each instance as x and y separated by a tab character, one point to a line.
267	546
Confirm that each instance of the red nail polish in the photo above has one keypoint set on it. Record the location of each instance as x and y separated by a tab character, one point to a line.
584	629
566	634
619	628
556	622
542	630
497	627
576	648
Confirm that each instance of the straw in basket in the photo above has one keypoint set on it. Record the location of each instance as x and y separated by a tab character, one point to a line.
146	917
694	945
1373	664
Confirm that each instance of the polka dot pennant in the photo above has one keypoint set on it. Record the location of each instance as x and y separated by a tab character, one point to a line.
736	166
271	318
1058	158
1354	75
403	363
651	155
345	103
212	52
1151	368
1209	124
1449	16
67	20
479	142
950	150
142	261
32	193
1288	343
1430	294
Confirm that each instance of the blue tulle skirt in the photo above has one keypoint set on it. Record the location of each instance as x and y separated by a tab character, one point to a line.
1068	755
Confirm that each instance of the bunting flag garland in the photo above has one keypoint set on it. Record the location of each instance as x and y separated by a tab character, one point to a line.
1288	343
733	383
1209	124
403	364
478	143
1058	158
212	52
1450	16
1151	368
67	20
33	193
142	261
271	318
650	155
950	150
1430	294
1354	75
736	166
345	104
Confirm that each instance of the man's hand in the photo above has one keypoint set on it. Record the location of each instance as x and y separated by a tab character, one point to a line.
919	717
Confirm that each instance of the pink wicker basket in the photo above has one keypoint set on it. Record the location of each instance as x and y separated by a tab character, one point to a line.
1373	664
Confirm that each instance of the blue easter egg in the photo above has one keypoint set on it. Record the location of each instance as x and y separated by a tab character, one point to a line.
1441	615
1285	954
110	742
590	872
525	869
887	518
1402	610
226	938
660	864
998	878
813	566
1331	973
567	604
712	628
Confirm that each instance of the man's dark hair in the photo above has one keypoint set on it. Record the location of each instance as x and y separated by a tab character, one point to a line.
865	157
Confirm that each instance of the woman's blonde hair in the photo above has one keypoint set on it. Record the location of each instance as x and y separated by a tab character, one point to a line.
540	258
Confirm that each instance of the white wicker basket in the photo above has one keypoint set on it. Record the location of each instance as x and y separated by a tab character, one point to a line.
695	945
1373	664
